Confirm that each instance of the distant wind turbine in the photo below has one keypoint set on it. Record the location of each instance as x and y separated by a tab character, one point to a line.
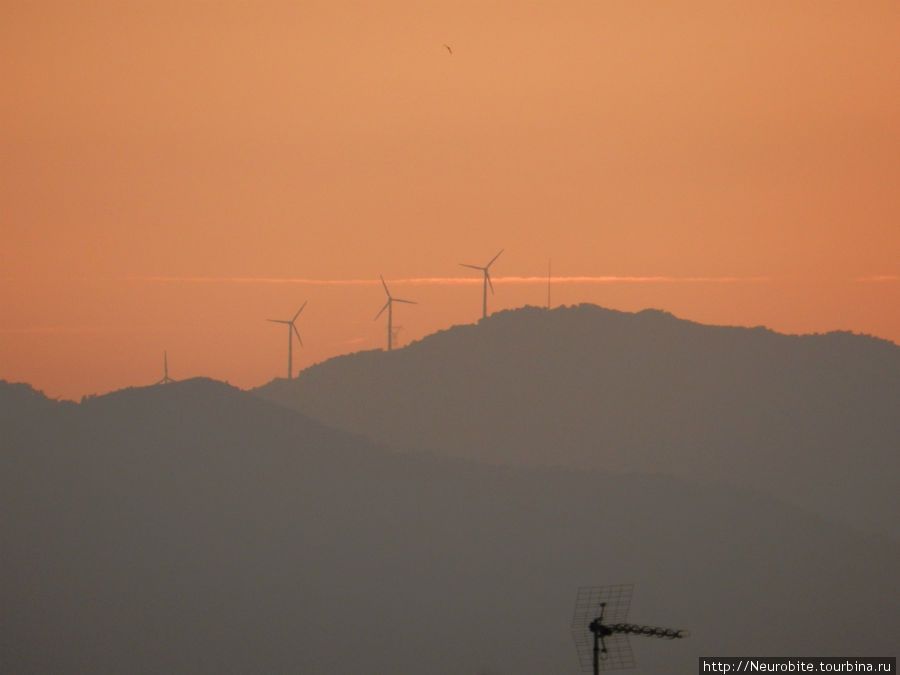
389	307
165	378
487	281
292	330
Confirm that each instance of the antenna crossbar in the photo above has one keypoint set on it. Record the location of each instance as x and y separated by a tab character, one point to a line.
636	629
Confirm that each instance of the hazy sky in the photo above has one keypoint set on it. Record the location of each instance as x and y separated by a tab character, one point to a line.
174	173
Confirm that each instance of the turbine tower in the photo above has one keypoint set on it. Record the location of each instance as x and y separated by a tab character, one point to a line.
389	307
600	631
292	330
487	281
165	378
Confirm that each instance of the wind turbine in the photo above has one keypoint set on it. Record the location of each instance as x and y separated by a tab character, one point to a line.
165	378
292	330
389	307
487	281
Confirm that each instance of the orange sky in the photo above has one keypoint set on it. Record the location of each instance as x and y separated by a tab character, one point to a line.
163	161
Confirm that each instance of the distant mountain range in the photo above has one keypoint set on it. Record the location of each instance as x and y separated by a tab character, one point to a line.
812	419
196	528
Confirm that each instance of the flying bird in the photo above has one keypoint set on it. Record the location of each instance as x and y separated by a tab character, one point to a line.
447	47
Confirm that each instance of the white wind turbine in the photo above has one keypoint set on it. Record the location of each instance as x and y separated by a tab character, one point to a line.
292	330
487	281
389	307
165	378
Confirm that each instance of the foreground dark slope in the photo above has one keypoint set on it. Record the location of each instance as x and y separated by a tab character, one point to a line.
811	419
195	528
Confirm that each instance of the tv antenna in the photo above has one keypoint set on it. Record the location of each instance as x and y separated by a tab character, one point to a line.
549	306
600	631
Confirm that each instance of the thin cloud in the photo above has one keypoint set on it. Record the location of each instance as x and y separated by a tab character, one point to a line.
255	280
451	281
880	278
51	330
611	279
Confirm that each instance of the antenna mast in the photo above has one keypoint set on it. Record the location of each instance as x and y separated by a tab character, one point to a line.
600	631
548	284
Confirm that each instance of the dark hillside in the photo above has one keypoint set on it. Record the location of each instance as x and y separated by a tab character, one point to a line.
811	419
195	528
19	400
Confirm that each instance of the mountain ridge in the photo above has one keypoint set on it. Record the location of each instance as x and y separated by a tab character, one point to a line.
588	387
193	527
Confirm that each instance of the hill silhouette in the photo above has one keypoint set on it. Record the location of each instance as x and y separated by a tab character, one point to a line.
20	399
193	528
810	419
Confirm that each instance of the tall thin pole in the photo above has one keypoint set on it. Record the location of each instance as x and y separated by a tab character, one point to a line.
390	307
290	350
484	296
548	284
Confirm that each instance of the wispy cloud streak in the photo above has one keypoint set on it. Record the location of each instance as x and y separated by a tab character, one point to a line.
256	280
452	281
52	330
880	278
611	279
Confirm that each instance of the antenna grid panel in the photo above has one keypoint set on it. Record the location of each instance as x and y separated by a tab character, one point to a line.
612	604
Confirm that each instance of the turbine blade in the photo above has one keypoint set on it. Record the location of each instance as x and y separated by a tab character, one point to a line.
277	321
297	333
298	311
385	286
383	308
408	302
488	278
474	267
493	259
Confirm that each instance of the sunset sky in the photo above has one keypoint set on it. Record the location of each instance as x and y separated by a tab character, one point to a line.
173	173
